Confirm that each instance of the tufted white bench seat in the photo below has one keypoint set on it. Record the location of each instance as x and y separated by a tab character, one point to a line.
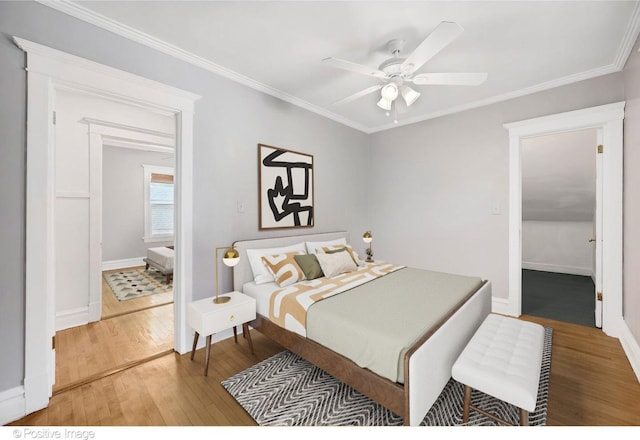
503	359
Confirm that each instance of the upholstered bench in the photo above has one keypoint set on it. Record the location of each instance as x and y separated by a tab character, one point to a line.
503	359
161	259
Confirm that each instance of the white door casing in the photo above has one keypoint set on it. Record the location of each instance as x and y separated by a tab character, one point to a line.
49	70
598	229
608	119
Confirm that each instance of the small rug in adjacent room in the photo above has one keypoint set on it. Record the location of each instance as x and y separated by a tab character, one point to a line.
135	283
286	390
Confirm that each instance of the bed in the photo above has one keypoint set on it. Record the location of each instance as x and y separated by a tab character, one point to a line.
424	366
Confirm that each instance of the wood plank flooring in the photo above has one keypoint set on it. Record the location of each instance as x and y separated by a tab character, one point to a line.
130	331
591	383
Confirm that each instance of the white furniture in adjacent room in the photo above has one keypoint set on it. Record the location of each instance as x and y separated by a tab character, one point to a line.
503	359
161	259
207	318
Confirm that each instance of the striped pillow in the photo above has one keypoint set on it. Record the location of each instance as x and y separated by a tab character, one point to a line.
284	268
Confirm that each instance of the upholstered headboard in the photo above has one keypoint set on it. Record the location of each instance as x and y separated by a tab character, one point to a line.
242	271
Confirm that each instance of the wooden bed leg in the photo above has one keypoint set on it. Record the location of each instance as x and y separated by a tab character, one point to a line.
195	342
146	267
235	334
524	417
465	405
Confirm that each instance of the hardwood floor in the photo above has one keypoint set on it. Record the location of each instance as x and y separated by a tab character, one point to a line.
129	332
591	383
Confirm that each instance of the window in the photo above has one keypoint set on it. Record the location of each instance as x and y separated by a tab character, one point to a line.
158	200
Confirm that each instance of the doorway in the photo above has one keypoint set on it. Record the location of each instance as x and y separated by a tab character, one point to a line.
558	226
109	319
608	121
50	70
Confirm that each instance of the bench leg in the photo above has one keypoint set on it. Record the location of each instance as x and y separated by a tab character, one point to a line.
466	404
524	417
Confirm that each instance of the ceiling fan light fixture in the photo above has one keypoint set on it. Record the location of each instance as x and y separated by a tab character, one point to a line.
409	95
390	92
384	103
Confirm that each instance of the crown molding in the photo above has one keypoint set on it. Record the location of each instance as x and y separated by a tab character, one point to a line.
75	10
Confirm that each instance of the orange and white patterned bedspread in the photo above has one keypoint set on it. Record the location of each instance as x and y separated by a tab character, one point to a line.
288	306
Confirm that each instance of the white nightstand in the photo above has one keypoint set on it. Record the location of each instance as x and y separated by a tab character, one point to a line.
207	318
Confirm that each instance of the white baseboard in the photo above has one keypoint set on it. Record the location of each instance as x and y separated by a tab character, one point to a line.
631	348
501	306
12	405
123	264
544	267
72	318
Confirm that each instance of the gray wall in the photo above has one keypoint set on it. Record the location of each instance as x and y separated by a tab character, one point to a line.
452	171
631	230
230	121
122	201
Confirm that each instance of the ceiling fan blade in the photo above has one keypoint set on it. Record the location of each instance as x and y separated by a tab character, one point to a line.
354	67
453	79
443	35
360	94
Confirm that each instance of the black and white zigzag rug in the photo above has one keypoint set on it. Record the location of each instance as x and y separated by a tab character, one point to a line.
286	390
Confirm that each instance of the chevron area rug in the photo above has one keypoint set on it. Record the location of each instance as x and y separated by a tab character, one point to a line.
135	283
286	390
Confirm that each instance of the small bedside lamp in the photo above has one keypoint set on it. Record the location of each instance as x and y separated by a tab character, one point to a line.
367	238
231	258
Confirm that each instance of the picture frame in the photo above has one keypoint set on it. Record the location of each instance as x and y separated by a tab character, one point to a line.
285	179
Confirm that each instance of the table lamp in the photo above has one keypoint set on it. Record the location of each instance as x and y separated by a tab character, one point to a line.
367	238
231	258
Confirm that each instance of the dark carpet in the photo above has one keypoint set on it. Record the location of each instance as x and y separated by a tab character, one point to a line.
567	298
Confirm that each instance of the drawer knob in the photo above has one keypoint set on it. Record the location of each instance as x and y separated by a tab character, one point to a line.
231	318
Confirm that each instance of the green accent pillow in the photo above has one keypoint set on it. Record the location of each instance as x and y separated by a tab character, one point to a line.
309	265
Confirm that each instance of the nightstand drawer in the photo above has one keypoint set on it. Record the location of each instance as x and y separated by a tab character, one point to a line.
208	318
228	317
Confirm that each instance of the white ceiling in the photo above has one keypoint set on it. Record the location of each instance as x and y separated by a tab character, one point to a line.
277	47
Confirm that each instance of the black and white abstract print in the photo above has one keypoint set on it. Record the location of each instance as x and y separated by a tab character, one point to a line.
286	188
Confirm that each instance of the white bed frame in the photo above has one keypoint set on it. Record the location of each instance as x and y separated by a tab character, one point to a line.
429	362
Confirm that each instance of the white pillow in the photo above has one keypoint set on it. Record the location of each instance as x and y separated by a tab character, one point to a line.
335	264
313	246
261	274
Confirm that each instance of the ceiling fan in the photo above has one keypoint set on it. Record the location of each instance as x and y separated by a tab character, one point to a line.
396	72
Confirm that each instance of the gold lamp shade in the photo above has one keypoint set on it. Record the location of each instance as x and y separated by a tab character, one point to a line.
230	258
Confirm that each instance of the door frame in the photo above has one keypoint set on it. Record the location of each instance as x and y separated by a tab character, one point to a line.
47	71
608	119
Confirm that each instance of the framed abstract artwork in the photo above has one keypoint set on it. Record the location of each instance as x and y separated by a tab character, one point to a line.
286	188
